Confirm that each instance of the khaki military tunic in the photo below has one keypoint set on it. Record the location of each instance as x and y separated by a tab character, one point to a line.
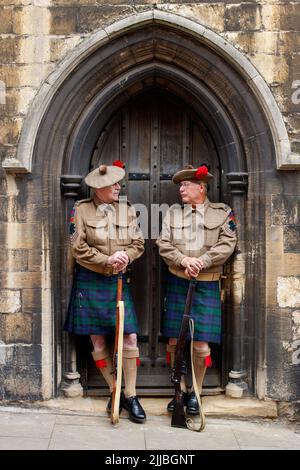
207	232
98	230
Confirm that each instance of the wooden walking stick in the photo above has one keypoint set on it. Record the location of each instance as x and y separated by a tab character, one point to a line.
118	354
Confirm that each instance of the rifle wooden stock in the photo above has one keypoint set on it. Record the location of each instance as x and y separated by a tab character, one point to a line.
118	354
180	367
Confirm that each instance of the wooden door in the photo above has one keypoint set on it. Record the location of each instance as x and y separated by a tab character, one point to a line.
154	135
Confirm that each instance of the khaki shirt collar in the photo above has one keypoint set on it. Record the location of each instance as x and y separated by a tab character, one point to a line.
117	215
188	209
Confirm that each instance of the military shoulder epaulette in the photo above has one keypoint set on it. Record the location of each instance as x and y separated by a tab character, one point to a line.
78	203
219	205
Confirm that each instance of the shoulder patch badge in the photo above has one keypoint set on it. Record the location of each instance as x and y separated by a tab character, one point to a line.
72	226
232	221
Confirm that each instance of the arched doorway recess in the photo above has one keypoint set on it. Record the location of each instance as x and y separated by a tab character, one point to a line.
160	55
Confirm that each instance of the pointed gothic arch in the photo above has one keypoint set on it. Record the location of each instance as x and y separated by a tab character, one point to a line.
157	49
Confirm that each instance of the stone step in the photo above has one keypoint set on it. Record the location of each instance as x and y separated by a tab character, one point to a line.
215	406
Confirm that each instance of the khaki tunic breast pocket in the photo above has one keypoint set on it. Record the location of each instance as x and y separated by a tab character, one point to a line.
212	232
181	237
122	232
97	232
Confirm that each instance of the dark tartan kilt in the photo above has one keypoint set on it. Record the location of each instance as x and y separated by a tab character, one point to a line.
92	308
205	310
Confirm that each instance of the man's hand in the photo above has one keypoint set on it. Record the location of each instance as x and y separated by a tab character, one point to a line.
119	261
192	266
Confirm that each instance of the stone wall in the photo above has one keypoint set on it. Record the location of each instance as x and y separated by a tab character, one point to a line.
34	36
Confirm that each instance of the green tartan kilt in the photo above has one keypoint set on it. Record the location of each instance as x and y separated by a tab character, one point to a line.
92	308
205	310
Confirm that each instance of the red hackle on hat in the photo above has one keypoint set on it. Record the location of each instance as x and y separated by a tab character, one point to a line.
119	164
201	172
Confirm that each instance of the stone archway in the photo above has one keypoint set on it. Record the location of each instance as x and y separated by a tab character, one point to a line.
165	51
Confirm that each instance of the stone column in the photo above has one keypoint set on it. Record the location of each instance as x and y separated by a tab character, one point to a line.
70	386
237	385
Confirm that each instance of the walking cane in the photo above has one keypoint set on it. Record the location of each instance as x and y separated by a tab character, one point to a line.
118	354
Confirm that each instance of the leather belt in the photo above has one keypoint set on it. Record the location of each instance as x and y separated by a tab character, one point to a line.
105	270
200	277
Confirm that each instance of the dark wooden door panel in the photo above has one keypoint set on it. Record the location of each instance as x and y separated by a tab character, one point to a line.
154	135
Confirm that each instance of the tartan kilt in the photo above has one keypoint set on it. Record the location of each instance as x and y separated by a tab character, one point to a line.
205	310
92	307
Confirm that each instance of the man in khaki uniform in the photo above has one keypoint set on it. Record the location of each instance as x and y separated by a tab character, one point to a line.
196	240
105	238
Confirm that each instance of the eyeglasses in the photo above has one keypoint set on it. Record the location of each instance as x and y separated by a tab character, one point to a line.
185	184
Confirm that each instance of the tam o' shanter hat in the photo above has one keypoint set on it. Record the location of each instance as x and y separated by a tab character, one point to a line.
196	175
105	175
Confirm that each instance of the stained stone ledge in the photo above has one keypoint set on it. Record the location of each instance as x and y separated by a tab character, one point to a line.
214	406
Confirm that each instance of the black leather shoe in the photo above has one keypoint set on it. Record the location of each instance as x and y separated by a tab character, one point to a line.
171	404
108	406
135	410
192	406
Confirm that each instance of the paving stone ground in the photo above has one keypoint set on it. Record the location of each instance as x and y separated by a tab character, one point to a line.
41	429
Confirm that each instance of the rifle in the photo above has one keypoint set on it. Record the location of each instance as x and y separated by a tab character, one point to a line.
180	366
118	354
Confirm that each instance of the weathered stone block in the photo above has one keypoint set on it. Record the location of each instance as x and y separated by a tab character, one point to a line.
10	129
290	16
208	15
33	49
24	97
285	210
33	75
16	2
243	17
6	23
275	241
10	301
17	328
288	291
293	122
3	209
63	20
270	15
89	2
16	260
60	47
35	260
255	41
20	280
294	88
20	382
29	211
282	384
31	20
7	49
273	68
296	326
21	235
10	75
10	108
289	42
92	18
291	239
31	300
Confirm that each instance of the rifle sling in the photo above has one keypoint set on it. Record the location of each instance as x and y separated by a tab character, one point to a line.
191	424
